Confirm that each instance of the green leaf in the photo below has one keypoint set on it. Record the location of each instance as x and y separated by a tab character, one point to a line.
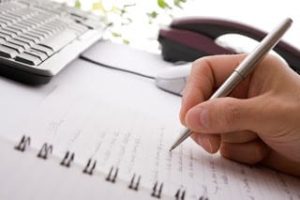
116	35
125	41
152	14
163	4
77	4
178	3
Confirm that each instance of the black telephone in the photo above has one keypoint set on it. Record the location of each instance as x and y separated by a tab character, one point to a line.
187	39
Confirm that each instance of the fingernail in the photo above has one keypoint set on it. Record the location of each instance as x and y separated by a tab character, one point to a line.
199	141
208	145
198	118
205	143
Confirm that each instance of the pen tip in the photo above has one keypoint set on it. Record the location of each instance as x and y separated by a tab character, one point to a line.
172	147
182	137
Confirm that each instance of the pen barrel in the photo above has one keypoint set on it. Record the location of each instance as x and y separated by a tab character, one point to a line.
226	88
249	63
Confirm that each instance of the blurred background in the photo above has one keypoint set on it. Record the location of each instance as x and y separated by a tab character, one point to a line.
136	22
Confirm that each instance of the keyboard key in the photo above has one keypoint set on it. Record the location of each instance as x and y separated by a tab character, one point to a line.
12	18
28	59
24	40
24	13
24	45
9	7
47	30
30	38
8	33
18	48
56	24
40	33
80	29
14	31
7	52
4	36
17	28
35	35
2	40
33	22
78	13
91	24
28	24
51	7
57	42
22	26
7	19
3	23
43	49
41	55
54	28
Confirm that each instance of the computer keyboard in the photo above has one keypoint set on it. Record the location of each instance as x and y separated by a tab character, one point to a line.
38	38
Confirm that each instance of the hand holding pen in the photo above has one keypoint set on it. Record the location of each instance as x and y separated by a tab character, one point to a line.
259	122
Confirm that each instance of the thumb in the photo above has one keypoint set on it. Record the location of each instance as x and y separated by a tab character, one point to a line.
223	115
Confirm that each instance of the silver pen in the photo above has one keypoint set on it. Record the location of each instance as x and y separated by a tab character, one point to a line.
244	68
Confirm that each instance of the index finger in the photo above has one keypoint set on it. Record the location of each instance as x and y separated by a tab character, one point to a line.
207	74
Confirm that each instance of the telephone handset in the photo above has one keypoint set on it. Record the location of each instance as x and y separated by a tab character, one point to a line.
187	39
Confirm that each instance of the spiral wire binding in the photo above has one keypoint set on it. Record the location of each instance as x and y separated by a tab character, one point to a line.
157	190
68	159
45	151
24	142
112	175
90	167
180	194
203	198
134	185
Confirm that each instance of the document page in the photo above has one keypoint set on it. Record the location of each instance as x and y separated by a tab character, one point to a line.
124	123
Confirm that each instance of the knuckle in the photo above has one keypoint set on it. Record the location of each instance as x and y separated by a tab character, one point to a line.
200	63
271	58
196	64
196	70
273	62
260	152
231	114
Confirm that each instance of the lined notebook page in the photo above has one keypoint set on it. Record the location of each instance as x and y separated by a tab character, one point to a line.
24	176
124	122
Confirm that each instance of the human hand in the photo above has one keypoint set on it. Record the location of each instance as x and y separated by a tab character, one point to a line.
260	120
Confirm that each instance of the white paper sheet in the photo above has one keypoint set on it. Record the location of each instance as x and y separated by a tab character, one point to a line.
122	57
123	121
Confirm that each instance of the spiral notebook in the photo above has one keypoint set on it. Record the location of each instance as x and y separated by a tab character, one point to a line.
95	133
